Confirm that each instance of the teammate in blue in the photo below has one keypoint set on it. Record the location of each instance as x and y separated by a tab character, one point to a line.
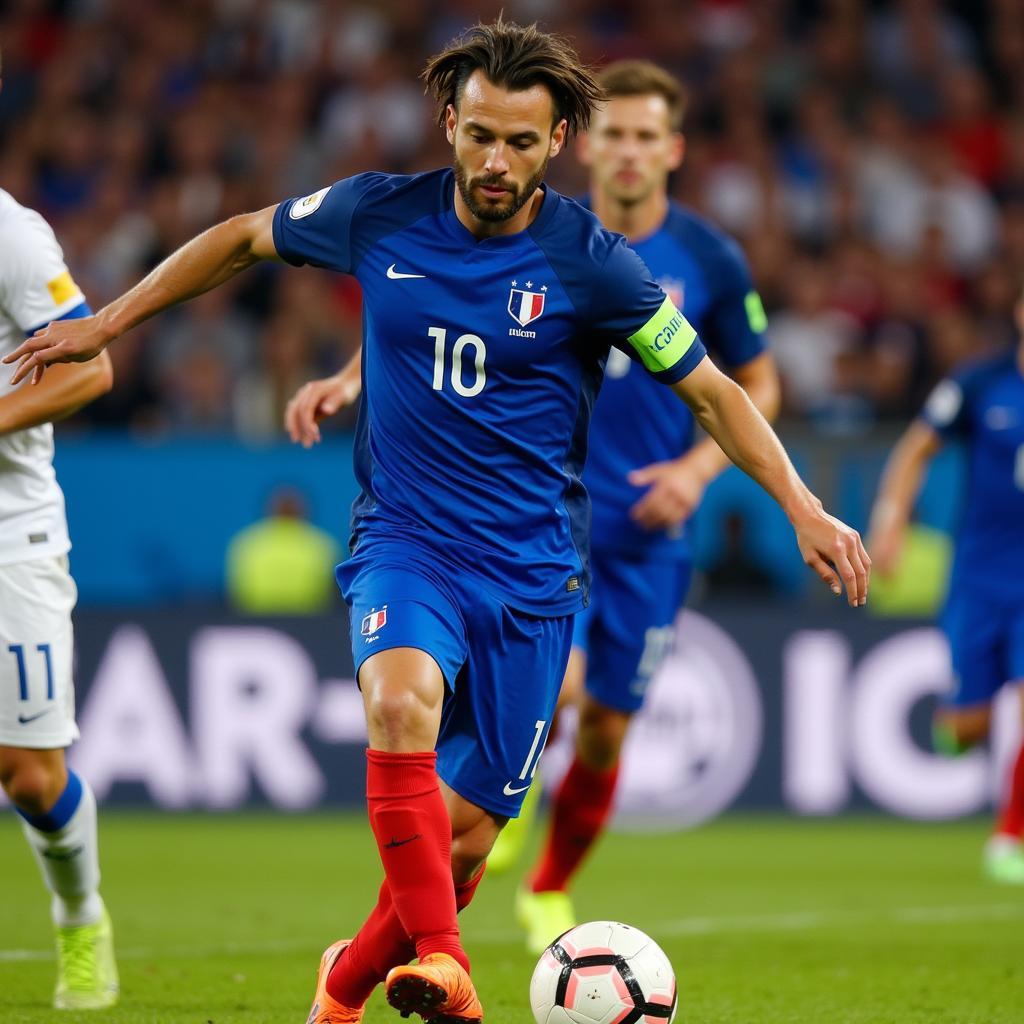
644	484
982	407
490	304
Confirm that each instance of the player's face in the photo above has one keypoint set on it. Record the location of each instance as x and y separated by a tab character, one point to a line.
502	143
631	148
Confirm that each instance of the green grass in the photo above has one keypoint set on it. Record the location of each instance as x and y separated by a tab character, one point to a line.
767	921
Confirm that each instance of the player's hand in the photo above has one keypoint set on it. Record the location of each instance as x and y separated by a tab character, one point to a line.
63	341
885	545
835	552
315	401
674	492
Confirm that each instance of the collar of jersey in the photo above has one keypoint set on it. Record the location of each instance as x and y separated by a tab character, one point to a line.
498	242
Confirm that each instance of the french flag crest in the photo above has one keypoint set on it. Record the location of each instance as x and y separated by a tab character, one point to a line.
525	306
374	621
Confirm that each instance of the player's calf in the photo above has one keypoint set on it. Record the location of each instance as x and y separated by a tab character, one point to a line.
955	731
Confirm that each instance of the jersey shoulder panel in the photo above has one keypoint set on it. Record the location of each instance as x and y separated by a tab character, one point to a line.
335	226
35	284
948	410
735	324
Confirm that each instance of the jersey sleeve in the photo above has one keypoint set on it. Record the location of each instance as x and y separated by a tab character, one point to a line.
318	229
947	409
734	326
36	286
631	309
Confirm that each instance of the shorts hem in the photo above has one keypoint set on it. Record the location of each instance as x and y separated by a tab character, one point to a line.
487	803
38	742
391	646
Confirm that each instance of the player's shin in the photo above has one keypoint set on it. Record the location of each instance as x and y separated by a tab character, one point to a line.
64	841
413	831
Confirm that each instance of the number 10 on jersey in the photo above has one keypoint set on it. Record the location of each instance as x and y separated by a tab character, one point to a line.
458	350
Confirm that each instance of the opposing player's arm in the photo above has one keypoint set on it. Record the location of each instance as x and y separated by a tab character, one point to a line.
725	411
901	483
64	391
322	398
208	260
677	486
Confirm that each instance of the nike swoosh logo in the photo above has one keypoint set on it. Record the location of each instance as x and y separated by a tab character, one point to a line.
509	791
400	842
396	275
25	719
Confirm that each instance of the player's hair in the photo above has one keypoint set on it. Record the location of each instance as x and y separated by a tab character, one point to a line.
644	78
516	57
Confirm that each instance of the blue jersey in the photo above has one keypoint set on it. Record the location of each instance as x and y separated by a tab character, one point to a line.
481	362
984	407
704	272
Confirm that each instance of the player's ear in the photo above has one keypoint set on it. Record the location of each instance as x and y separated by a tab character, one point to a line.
677	150
451	120
557	138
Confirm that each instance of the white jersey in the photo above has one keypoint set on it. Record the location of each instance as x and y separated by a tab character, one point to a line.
35	288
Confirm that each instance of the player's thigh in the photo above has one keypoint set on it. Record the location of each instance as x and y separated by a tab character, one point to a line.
640	601
1015	649
496	722
37	697
977	646
601	733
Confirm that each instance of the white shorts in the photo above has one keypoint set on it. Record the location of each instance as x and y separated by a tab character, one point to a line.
37	696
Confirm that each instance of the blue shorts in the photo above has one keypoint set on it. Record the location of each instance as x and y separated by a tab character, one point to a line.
986	641
503	667
628	627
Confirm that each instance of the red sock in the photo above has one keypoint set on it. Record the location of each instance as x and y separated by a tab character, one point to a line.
581	809
1011	821
380	945
414	838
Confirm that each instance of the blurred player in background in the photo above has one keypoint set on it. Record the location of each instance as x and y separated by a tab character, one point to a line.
982	406
644	484
490	303
37	700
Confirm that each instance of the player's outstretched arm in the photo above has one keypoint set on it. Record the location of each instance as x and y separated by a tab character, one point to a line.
675	487
65	390
897	492
208	260
322	398
828	546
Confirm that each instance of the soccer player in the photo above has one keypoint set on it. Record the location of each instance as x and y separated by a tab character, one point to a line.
490	303
982	406
37	701
644	484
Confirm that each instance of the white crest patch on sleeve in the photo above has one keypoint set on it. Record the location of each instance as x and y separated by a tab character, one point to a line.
304	207
944	403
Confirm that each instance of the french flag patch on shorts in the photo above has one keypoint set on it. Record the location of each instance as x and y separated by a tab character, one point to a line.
374	621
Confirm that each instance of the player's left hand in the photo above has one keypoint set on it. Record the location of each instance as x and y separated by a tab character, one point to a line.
63	341
835	552
675	490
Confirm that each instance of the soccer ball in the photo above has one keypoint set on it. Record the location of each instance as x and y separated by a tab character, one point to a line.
603	973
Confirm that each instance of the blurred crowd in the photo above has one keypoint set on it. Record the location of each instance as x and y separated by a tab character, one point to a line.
870	157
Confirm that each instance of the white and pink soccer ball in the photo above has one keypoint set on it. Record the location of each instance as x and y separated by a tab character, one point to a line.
603	973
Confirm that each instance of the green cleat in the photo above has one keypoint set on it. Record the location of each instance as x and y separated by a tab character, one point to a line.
512	839
1004	860
86	970
545	916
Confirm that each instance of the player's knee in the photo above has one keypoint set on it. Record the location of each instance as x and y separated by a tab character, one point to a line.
955	733
602	731
32	786
394	713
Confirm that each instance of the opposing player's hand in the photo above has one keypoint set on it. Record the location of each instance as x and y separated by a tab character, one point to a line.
315	401
674	492
835	552
63	341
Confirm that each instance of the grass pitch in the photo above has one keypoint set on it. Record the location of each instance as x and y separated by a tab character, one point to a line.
221	920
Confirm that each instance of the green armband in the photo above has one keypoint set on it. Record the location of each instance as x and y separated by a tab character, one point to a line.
755	313
664	339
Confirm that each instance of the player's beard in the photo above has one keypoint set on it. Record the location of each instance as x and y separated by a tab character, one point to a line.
496	212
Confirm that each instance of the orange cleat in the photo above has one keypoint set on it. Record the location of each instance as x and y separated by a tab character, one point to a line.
437	988
327	1009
